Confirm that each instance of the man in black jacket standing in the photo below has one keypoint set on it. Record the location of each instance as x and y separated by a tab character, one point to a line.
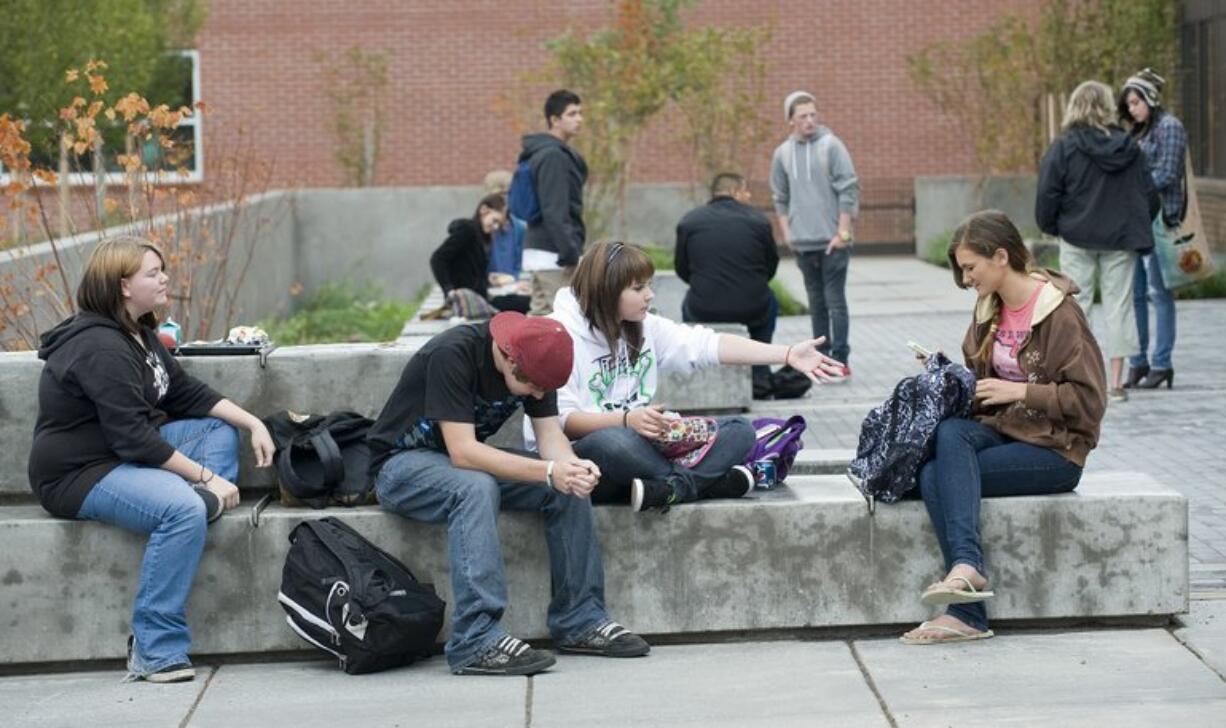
553	243
726	252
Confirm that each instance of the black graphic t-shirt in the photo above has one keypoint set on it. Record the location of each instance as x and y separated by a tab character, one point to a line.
451	379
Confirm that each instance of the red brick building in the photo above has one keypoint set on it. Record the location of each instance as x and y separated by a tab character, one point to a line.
451	59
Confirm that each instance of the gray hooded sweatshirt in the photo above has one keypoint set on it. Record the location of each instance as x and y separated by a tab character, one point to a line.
812	181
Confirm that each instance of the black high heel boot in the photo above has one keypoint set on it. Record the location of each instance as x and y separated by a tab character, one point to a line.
1135	375
1156	377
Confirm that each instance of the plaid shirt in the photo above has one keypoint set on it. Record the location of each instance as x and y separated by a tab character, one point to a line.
1164	148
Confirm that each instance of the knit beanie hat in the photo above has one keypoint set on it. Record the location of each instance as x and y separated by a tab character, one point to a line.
791	100
1149	84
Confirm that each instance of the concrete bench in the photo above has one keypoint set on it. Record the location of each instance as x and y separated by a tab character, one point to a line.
803	556
358	377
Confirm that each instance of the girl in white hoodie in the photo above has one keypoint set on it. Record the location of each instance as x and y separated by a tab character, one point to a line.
605	406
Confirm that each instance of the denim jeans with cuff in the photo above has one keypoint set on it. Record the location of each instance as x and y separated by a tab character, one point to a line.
974	461
153	501
423	485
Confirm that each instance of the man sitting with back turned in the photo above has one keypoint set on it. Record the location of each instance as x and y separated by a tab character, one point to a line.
726	252
429	463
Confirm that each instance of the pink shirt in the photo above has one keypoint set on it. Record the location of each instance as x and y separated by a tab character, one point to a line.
1011	331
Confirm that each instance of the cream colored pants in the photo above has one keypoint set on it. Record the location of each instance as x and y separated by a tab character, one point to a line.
1113	270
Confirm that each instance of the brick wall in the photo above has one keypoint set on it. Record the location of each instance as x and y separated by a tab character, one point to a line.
1211	194
451	59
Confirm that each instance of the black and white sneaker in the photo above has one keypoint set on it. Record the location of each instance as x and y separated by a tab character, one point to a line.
736	483
510	656
609	640
213	507
646	493
176	673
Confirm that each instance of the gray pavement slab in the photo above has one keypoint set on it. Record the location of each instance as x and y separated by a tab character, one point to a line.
776	684
1109	677
94	698
1203	630
318	694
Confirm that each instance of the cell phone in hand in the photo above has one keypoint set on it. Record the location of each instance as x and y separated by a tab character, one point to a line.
919	350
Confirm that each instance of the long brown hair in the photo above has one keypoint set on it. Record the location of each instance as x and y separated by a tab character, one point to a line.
984	233
604	271
101	292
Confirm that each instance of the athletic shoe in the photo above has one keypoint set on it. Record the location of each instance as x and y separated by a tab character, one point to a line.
213	507
609	640
645	494
510	656
736	483
176	673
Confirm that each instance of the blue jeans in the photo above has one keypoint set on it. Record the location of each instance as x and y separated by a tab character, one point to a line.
1148	279
423	485
760	329
973	461
826	287
623	455
147	499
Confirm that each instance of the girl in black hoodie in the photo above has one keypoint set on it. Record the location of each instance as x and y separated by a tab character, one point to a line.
126	437
462	261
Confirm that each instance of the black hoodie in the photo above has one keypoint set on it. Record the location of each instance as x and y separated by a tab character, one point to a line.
1095	191
559	173
461	261
101	399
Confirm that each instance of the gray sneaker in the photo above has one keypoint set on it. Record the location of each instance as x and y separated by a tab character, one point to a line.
510	656
608	640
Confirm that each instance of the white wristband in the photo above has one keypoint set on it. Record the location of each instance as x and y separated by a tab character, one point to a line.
549	474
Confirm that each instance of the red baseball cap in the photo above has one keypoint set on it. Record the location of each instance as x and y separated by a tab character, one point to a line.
540	347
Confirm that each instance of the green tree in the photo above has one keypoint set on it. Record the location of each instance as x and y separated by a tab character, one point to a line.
356	84
39	39
1004	87
645	64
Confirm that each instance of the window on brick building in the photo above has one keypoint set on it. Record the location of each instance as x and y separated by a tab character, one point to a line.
176	83
1203	81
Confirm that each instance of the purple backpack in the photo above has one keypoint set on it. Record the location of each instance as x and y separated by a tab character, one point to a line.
777	440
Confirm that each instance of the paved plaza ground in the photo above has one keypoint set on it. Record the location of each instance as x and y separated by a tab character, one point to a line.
1078	676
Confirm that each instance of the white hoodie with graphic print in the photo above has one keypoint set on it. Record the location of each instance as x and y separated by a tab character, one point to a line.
600	382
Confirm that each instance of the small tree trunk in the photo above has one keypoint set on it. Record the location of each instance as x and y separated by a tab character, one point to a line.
63	187
99	182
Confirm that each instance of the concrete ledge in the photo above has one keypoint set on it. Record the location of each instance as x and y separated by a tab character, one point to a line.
320	378
803	556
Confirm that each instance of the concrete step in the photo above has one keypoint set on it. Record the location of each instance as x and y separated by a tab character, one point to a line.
805	555
319	378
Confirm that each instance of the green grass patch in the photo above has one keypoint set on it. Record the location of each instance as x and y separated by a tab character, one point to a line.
344	313
1214	287
788	305
661	258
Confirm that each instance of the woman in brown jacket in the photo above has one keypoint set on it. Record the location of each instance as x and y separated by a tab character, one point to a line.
1038	404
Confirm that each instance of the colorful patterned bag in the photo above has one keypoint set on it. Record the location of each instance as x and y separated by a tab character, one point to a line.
688	439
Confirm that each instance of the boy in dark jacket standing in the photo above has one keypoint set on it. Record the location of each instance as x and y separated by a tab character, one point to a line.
726	252
1096	195
554	243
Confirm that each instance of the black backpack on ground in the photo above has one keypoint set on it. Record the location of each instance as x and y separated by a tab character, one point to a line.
353	600
322	458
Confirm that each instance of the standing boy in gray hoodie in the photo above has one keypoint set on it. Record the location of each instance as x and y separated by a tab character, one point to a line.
817	194
554	243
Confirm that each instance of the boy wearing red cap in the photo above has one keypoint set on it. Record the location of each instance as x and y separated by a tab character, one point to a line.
429	463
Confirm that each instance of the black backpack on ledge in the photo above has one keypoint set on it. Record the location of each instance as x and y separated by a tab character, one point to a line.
321	459
351	599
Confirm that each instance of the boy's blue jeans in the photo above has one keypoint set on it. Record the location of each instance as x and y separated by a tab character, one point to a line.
150	500
423	485
973	461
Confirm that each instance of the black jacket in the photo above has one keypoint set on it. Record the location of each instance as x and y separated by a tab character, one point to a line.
726	252
1095	191
98	407
461	261
559	173
897	436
